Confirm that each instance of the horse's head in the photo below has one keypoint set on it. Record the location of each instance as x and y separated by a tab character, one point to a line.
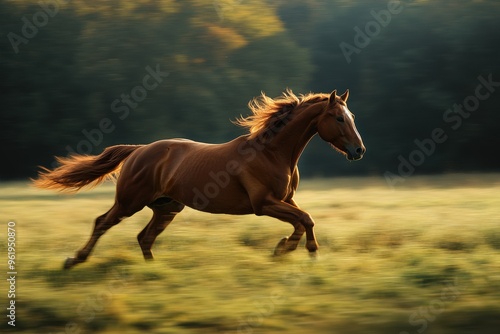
336	126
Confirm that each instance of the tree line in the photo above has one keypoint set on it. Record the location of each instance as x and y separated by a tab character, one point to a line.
80	76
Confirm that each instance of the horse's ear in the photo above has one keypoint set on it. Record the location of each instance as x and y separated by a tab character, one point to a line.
333	97
345	96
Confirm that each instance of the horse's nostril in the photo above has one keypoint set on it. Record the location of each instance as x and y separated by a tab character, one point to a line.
360	151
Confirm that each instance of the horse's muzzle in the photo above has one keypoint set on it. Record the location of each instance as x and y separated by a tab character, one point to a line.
355	153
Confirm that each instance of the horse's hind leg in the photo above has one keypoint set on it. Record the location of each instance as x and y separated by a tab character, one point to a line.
102	224
164	211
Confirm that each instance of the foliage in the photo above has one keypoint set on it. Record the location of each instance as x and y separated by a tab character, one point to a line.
62	82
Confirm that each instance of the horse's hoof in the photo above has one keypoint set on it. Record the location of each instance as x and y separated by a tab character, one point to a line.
312	246
280	248
148	258
313	255
70	262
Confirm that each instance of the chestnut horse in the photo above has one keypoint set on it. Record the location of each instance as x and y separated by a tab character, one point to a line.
252	174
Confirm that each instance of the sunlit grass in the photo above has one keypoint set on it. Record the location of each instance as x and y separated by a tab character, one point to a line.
426	254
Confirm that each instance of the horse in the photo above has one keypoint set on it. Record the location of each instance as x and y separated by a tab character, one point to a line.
255	173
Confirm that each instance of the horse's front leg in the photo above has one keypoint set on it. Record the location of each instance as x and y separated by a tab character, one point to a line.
290	243
301	221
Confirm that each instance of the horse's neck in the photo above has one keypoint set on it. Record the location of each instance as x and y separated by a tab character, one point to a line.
291	140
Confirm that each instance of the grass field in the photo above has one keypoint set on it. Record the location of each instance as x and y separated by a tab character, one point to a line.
423	258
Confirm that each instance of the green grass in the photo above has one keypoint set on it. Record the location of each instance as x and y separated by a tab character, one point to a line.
422	258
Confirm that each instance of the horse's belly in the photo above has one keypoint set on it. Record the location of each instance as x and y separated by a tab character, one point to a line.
213	198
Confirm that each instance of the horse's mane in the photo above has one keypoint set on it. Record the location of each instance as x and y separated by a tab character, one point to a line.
272	114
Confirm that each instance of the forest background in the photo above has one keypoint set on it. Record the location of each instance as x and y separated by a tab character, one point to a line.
424	77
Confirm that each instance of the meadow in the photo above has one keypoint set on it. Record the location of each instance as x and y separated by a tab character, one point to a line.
421	258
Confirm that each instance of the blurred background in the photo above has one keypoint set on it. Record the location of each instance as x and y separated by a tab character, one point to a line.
77	75
424	76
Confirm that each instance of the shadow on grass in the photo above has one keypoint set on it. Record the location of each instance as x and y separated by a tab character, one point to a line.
94	272
427	277
41	316
492	238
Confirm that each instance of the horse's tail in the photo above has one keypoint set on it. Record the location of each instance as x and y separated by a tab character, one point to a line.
78	171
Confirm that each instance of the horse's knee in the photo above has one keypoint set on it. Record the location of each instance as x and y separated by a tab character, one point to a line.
299	228
306	220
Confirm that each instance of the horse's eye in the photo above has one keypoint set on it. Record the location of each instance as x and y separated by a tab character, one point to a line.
340	119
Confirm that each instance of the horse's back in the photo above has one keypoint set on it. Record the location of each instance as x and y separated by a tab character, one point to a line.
161	157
